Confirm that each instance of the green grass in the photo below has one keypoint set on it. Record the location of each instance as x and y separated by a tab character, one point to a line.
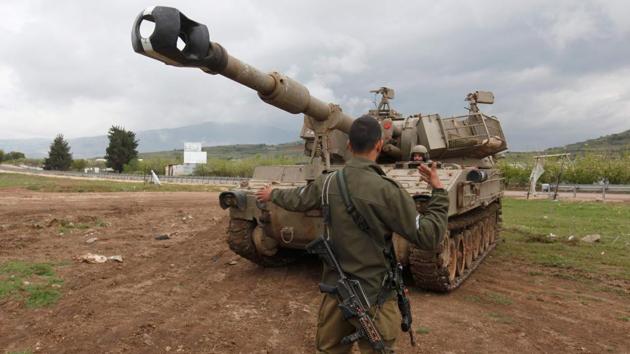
101	223
54	184
423	330
489	298
473	298
66	226
33	283
498	299
527	223
501	318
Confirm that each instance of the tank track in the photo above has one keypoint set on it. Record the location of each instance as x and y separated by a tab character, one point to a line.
239	237
470	238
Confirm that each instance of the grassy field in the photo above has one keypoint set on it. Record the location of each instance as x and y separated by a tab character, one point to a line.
527	226
35	284
54	184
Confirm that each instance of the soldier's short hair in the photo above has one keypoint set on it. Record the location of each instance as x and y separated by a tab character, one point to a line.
365	132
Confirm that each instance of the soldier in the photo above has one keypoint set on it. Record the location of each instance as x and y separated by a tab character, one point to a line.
387	208
419	154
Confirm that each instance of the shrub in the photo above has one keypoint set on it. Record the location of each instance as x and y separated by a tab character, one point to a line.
241	167
79	165
145	166
14	155
586	169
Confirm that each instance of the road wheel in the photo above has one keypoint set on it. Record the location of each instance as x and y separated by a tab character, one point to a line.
493	229
240	240
460	247
476	236
487	233
483	234
468	242
452	262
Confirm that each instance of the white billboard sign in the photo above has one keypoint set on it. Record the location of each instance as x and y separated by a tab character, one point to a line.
195	157
192	147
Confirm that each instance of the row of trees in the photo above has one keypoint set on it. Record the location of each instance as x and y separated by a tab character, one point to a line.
122	149
11	156
587	169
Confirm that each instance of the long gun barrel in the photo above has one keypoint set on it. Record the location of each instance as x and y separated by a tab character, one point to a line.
199	52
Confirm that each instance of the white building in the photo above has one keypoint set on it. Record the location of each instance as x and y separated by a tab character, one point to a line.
193	156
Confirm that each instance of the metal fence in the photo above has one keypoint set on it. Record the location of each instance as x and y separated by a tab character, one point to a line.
591	188
575	188
603	189
212	180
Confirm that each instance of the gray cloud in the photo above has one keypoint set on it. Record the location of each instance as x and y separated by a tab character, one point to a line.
559	69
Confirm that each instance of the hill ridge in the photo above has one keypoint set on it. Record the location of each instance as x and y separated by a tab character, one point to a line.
617	142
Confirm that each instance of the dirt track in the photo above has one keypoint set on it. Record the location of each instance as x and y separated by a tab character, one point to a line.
182	295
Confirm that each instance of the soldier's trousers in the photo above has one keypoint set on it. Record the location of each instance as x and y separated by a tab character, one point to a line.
331	327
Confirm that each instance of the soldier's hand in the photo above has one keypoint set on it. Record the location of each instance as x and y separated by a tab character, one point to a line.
263	195
430	175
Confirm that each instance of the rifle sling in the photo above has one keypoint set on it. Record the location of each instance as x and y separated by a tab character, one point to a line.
362	223
389	282
358	219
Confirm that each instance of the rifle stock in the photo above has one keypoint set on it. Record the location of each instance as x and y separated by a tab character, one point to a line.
353	302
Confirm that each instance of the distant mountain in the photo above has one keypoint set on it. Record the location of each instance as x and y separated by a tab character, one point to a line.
609	143
209	134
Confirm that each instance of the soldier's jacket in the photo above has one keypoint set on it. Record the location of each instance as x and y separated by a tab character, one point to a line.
386	207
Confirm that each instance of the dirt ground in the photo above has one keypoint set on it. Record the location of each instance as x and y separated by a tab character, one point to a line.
187	294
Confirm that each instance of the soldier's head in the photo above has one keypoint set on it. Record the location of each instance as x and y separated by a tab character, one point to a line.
419	153
365	137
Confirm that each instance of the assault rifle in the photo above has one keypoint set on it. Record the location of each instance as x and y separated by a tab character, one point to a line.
403	300
353	302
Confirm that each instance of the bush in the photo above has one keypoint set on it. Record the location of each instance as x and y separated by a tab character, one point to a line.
79	165
241	167
587	169
145	166
13	155
515	175
27	162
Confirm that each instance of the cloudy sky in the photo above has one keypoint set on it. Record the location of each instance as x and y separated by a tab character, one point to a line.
560	70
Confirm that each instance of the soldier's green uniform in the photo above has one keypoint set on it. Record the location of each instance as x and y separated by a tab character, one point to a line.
387	208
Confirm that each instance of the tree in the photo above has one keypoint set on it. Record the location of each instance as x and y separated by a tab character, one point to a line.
59	156
79	165
121	149
1	155
14	155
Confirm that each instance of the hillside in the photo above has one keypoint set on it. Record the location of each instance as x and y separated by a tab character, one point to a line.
615	143
238	151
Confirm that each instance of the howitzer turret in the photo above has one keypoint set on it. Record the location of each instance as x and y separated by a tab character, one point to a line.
268	235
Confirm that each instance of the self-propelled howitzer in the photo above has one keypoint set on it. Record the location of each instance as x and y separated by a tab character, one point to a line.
270	236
